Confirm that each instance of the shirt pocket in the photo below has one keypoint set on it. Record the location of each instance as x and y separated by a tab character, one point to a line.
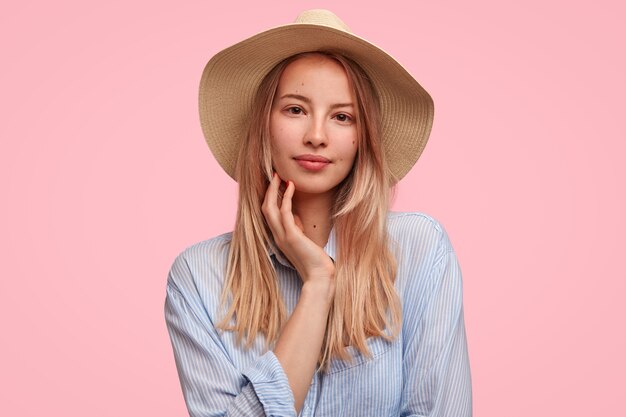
377	347
366	386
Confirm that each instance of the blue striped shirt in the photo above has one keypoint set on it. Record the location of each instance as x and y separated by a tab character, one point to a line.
424	372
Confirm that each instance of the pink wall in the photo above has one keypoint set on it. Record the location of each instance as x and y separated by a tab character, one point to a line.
105	177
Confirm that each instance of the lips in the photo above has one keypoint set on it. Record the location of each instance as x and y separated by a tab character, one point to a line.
312	158
312	162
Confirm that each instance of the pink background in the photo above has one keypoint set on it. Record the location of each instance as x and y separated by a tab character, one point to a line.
105	178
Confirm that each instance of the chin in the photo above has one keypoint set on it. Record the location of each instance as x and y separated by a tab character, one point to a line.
312	190
309	186
316	183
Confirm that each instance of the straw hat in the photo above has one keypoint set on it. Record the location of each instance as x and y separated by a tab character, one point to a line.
231	78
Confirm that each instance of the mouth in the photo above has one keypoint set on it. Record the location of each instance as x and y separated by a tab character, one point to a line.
312	158
312	162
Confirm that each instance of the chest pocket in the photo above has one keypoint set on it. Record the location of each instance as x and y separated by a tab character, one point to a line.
377	347
366	386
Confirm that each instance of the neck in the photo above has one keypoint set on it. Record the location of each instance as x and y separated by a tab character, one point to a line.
314	213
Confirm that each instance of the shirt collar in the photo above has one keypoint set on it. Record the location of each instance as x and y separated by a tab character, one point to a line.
330	250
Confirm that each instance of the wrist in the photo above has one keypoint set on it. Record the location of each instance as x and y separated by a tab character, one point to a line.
319	290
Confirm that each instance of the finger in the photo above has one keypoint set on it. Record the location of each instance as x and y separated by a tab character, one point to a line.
287	196
285	209
270	208
271	195
282	186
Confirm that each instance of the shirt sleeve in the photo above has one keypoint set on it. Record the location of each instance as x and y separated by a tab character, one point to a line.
211	384
436	364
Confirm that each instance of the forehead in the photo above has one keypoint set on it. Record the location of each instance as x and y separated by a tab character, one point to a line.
312	72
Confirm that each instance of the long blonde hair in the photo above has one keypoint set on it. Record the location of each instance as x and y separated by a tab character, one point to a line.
366	303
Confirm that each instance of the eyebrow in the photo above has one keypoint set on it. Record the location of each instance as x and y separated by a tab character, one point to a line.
308	100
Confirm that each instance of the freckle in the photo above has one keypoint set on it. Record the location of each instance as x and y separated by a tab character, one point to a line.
314	226
302	84
353	142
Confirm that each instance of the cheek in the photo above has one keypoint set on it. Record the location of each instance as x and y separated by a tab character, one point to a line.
275	135
277	145
276	130
278	153
279	135
350	148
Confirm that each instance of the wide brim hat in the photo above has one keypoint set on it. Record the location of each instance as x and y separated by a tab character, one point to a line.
231	78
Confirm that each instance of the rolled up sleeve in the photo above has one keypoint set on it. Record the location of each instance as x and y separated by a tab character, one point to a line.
211	384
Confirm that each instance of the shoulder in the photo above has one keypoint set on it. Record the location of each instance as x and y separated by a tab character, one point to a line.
212	251
199	269
418	230
412	218
419	241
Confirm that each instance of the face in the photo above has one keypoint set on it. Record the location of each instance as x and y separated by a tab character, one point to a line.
313	125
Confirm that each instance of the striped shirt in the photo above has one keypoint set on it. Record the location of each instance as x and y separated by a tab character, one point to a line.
424	372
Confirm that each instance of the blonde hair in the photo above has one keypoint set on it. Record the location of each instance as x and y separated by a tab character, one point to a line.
366	303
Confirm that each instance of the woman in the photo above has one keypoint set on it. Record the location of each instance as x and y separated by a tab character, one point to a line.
320	302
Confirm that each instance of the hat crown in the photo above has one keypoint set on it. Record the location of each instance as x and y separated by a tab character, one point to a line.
322	17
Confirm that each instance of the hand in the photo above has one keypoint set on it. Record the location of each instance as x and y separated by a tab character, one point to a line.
311	262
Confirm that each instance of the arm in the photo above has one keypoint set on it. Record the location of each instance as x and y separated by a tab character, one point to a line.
299	345
436	364
211	384
300	342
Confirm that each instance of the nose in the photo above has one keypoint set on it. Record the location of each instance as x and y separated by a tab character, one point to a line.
316	133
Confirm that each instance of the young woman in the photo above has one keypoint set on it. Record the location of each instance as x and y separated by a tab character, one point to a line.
321	302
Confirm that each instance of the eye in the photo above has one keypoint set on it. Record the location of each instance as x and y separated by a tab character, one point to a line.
294	110
342	117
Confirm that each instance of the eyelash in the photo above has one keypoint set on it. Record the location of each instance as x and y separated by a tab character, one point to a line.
348	117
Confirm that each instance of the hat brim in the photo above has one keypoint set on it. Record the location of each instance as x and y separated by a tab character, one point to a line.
231	78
